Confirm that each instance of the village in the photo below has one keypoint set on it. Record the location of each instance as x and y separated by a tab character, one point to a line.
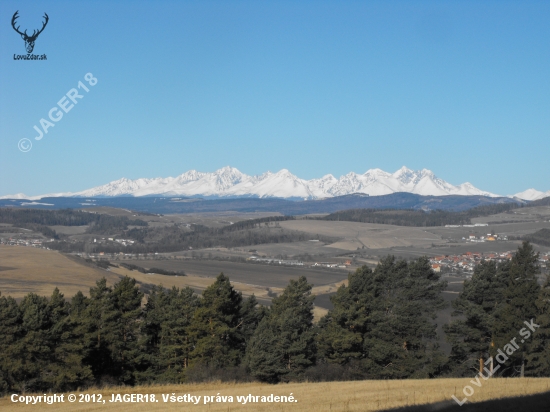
32	242
460	264
466	262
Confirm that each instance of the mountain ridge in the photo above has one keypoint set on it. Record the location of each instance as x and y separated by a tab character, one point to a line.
168	205
229	182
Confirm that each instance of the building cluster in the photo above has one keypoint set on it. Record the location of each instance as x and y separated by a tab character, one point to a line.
119	255
490	237
469	260
288	262
474	225
344	265
32	242
123	242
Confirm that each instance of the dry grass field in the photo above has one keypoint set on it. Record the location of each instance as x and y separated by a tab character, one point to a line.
196	283
524	214
325	396
27	269
257	275
211	219
373	236
41	271
295	248
70	230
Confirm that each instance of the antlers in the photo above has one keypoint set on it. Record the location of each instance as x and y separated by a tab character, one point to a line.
43	25
34	33
15	16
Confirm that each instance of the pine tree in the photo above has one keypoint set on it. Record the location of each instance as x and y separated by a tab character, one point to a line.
400	342
124	346
100	321
517	306
341	332
214	327
175	342
538	359
10	336
65	369
251	315
471	336
264	352
34	350
79	302
383	321
154	314
283	345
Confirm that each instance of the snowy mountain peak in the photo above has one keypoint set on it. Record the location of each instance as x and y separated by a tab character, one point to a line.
403	171
16	196
376	172
531	194
229	171
404	175
231	182
286	174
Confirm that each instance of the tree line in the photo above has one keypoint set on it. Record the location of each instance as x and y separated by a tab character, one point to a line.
39	220
419	218
381	327
175	238
541	237
497	310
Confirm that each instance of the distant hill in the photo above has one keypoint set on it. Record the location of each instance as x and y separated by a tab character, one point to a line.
411	217
541	237
166	205
541	202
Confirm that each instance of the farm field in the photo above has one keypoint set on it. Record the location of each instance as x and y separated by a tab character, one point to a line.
26	269
357	396
370	235
524	214
451	249
297	248
70	230
211	219
41	271
505	229
248	273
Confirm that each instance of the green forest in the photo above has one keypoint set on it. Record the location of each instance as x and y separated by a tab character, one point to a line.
175	238
381	327
39	220
419	218
540	237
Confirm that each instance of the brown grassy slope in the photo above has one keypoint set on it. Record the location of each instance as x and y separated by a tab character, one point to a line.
40	271
326	396
370	235
28	269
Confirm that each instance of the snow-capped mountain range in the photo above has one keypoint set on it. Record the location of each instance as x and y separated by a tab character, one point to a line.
230	182
532	194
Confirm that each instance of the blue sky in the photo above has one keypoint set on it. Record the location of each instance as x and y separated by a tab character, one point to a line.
458	87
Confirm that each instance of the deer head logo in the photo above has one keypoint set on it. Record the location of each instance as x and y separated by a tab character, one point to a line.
29	40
